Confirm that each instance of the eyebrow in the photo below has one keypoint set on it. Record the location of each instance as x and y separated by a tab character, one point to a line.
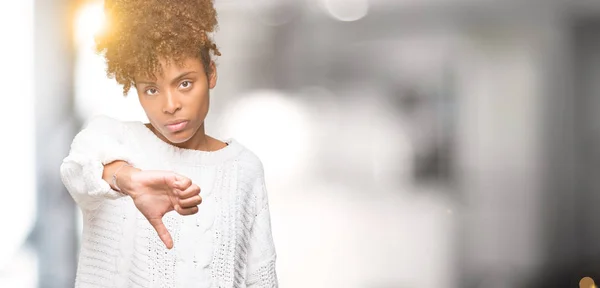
177	79
181	76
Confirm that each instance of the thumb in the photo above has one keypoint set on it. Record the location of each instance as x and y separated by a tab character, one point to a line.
182	182
162	231
171	179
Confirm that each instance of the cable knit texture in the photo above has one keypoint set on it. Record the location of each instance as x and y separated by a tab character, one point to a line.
228	243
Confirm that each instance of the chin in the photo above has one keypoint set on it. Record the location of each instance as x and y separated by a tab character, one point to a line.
179	137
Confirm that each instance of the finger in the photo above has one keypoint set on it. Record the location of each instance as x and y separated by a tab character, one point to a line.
190	202
162	231
187	211
191	191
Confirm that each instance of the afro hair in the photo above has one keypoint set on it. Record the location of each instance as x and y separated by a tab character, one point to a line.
139	32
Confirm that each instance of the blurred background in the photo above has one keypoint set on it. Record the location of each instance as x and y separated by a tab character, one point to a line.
406	143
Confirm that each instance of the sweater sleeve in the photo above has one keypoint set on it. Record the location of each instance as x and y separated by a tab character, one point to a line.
261	252
101	142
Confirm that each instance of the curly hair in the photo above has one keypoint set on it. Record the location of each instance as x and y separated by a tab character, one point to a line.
139	32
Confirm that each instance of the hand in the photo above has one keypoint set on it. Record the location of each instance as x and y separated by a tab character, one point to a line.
155	193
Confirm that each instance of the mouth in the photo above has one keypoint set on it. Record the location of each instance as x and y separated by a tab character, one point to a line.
176	126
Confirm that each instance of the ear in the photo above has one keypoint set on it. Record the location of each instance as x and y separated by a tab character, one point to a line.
212	78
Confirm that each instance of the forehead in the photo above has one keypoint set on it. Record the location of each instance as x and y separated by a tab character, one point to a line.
170	68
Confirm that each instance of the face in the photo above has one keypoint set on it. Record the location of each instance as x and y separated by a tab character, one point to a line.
176	102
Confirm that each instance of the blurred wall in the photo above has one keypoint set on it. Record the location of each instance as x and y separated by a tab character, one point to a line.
406	143
54	235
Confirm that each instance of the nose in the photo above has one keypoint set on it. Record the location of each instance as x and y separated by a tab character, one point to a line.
172	103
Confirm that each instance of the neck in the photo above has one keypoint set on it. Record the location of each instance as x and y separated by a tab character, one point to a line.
200	141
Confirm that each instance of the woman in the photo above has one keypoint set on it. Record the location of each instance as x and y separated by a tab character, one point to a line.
164	204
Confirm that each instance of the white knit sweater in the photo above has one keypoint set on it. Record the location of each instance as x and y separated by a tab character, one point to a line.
228	243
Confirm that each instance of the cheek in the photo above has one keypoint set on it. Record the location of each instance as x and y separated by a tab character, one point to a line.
206	102
205	106
151	108
200	100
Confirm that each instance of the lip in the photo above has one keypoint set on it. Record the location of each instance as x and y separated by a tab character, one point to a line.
176	125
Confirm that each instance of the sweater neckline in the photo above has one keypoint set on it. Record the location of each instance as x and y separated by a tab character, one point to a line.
193	156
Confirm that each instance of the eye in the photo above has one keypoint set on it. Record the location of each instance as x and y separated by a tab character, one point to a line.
185	84
151	91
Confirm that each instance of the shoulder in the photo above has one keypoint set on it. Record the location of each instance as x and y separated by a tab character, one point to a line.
101	128
249	163
251	178
111	126
103	123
